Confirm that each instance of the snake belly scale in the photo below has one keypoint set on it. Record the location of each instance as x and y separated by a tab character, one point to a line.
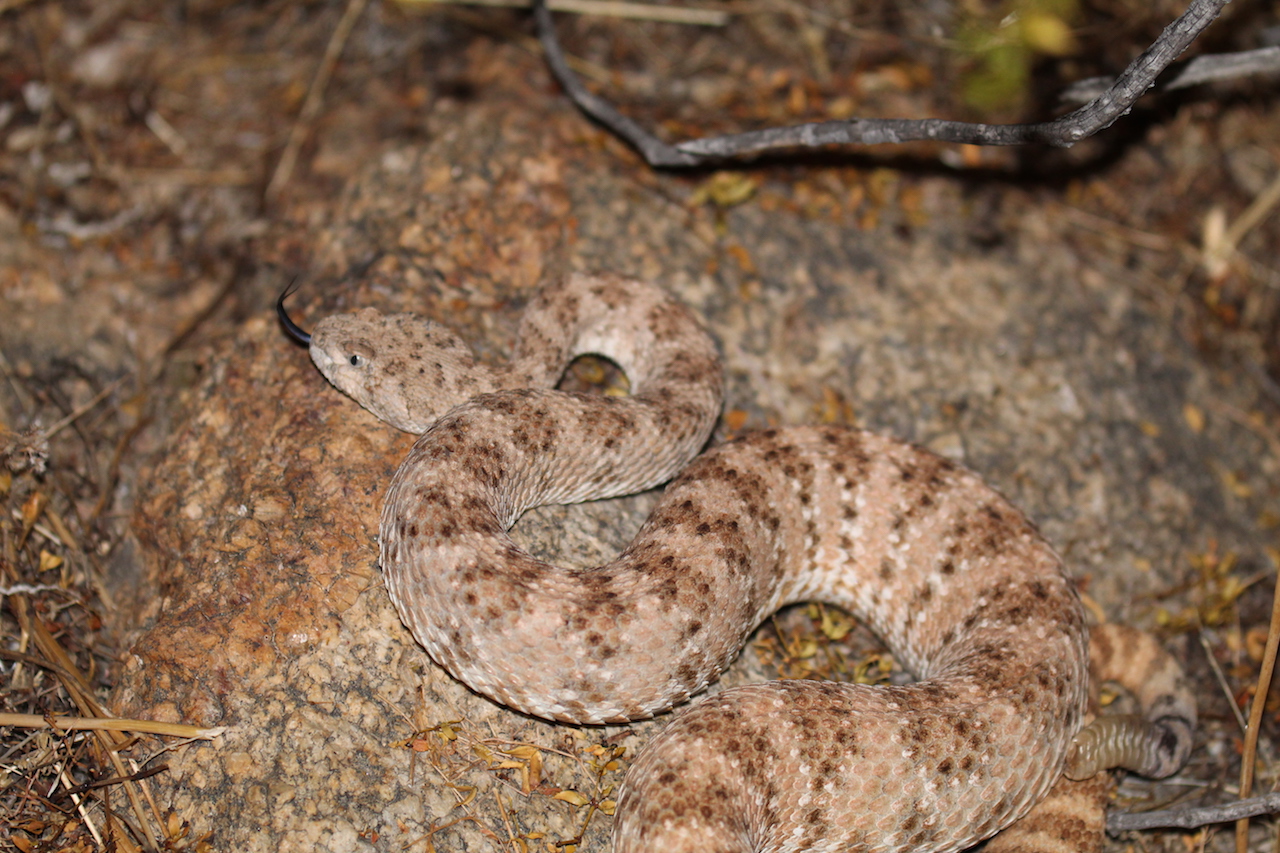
954	579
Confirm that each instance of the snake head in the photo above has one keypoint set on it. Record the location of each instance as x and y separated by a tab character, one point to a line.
404	369
357	354
343	348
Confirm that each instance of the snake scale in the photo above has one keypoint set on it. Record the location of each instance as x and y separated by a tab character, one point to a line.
956	581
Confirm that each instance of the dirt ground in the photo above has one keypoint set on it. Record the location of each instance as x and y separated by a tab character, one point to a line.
191	510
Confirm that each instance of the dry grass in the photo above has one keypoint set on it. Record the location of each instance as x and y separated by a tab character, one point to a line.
66	782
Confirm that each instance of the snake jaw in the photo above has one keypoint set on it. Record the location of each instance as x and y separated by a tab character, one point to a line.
294	330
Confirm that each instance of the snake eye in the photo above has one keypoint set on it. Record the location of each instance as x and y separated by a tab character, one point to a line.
359	354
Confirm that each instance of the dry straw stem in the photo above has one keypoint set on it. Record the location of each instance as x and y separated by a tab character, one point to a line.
115	724
315	98
1255	717
78	689
1252	216
602	8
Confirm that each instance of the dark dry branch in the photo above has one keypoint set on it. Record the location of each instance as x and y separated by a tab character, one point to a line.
1209	68
1064	131
1192	818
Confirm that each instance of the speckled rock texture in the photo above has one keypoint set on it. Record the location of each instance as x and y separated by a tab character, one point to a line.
981	331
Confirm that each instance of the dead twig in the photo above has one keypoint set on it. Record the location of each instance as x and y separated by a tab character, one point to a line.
1192	818
1203	69
1064	131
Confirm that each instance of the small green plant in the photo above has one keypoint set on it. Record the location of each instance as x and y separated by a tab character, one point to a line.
1003	52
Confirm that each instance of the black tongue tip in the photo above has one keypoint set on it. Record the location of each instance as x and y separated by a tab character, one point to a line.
294	330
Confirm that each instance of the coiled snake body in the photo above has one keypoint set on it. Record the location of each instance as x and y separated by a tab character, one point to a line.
956	581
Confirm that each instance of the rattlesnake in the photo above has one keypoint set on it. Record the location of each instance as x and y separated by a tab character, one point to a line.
954	579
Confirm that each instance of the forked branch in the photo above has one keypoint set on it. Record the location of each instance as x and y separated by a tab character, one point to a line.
1064	131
